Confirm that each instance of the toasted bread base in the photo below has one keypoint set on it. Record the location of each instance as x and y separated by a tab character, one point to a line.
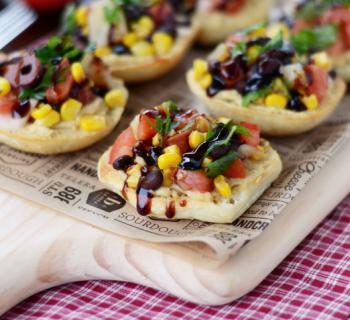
215	27
273	121
341	64
260	175
137	69
62	140
55	141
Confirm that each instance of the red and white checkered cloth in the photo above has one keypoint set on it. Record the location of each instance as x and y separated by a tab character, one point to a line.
313	282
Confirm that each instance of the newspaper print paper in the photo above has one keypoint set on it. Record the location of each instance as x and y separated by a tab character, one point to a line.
68	183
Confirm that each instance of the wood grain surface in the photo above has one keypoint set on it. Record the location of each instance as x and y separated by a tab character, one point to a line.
40	248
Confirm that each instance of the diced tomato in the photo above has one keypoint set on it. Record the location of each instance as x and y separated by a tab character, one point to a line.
345	35
318	78
146	131
7	103
337	49
233	6
236	170
123	145
194	181
336	15
59	91
181	140
254	138
300	25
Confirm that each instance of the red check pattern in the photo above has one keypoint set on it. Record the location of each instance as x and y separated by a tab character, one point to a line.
313	282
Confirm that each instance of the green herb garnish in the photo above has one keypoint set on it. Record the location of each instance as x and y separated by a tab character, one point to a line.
254	27
38	92
255	95
238	49
219	166
56	49
313	9
50	55
68	23
275	43
314	39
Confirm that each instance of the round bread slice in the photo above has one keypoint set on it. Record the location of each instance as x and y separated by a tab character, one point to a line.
64	137
138	69
209	206
216	26
341	64
272	121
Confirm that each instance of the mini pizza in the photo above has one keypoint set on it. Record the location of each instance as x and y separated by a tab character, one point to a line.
174	164
49	105
219	18
325	25
137	40
258	76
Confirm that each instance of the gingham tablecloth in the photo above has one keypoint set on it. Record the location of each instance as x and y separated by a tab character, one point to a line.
313	282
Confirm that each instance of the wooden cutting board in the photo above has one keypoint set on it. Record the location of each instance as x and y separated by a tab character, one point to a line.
40	248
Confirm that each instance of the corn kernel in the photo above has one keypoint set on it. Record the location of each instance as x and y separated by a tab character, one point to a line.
196	138
222	186
322	60
172	149
261	32
162	42
169	160
134	173
51	119
78	72
85	31
81	16
156	140
92	122
279	86
311	102
276	100
206	81
200	67
143	27
5	86
115	98
100	52
142	49
41	111
129	39
259	154
70	109
252	53
167	177
135	169
206	162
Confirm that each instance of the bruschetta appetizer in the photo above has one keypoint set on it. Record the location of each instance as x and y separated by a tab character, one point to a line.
219	18
49	105
174	164
325	25
262	79
137	40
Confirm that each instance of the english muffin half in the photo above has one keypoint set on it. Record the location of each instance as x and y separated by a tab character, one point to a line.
261	78
49	104
218	19
137	41
173	164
